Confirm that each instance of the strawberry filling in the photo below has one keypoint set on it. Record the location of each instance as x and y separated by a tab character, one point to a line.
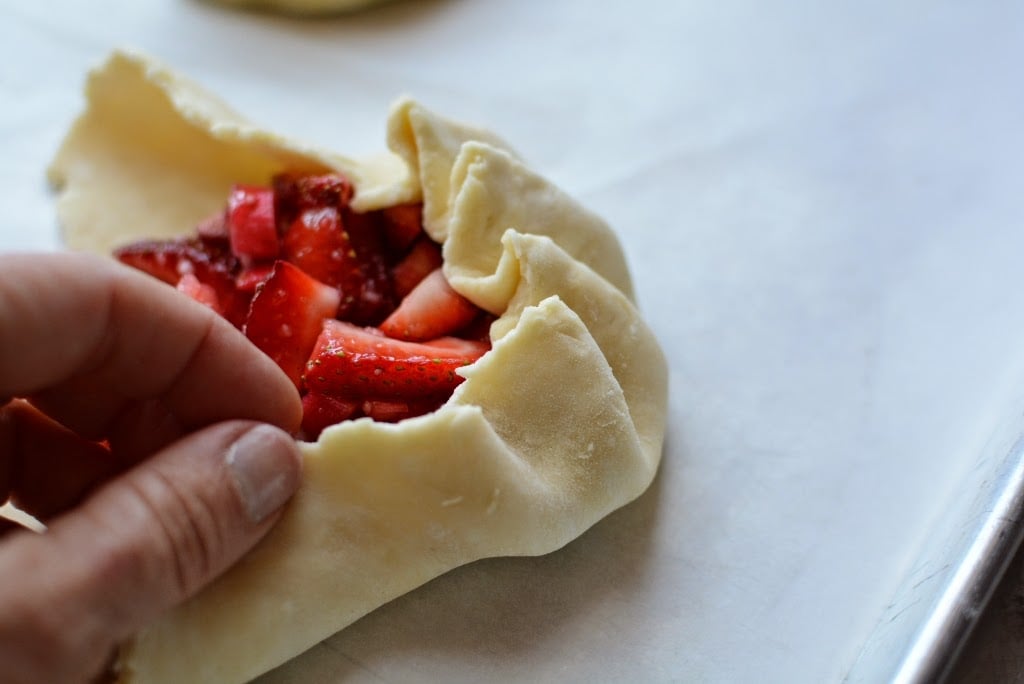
352	306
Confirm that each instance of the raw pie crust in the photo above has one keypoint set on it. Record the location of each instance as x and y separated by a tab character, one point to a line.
559	424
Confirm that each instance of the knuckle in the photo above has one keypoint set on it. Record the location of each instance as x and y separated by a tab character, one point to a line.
188	538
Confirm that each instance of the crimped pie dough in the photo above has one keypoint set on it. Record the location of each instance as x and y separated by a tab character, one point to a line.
558	425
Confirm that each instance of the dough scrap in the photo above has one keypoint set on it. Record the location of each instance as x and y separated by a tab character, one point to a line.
559	424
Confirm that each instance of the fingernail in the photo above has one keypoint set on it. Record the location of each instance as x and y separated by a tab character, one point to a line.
264	466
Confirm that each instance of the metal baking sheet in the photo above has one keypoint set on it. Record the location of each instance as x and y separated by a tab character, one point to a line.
821	207
943	595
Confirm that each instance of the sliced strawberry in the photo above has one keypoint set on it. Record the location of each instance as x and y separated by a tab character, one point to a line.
479	328
202	293
335	244
250	278
214	227
375	298
422	259
349	361
320	411
392	411
431	310
318	243
167	260
286	317
296	193
251	222
341	254
333	262
171	259
403	224
386	411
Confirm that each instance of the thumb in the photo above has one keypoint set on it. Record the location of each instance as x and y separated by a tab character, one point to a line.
145	542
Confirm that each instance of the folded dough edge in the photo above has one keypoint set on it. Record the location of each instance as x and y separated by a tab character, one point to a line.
559	424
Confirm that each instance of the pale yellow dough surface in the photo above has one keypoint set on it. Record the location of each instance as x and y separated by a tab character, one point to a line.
557	426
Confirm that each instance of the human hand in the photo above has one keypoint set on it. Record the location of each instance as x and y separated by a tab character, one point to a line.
138	445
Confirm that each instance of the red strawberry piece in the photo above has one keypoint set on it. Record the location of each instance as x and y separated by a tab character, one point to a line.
251	223
286	317
479	328
342	254
349	361
403	224
431	310
391	411
422	259
204	294
318	243
250	278
297	193
320	411
213	237
167	260
375	298
212	266
214	227
386	411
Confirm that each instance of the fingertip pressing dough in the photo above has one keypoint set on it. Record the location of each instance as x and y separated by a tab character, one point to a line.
559	424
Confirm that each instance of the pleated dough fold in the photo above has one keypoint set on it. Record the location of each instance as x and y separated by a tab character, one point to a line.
558	425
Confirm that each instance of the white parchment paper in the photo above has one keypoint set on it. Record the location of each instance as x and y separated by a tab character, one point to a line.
821	204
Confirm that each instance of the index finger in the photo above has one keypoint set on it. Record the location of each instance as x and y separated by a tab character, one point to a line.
87	339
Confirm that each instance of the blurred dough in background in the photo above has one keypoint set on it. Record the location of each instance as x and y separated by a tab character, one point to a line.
304	7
